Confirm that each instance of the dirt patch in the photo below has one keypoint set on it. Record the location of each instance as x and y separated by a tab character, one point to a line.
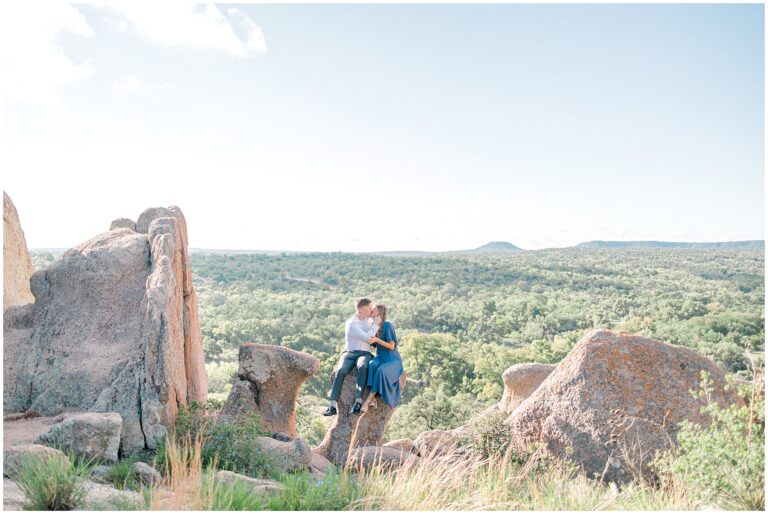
26	430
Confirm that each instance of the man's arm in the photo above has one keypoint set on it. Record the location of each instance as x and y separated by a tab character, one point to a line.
356	331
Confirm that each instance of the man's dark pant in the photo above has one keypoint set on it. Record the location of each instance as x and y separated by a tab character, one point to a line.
349	360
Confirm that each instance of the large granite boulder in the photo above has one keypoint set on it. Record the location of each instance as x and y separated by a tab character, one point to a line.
13	456
614	400
351	430
14	498
385	457
114	328
402	444
435	443
146	474
520	381
122	223
92	435
17	265
287	456
268	381
257	486
319	465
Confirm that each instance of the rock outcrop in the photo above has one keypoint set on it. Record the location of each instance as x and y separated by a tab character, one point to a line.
520	381
92	435
350	430
114	328
268	380
17	265
614	400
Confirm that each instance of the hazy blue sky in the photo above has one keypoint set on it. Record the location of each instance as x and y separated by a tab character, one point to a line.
366	128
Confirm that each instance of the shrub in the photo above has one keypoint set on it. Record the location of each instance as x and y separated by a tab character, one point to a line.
722	463
220	375
52	484
432	409
232	446
486	436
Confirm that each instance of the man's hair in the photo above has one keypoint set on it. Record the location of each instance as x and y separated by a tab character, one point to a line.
361	302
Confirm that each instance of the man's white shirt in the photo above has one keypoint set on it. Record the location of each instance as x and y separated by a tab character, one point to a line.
357	332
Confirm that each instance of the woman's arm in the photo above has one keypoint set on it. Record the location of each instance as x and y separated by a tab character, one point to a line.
389	345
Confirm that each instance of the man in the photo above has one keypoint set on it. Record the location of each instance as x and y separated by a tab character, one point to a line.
357	353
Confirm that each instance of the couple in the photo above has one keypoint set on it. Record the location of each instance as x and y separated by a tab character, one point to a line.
366	329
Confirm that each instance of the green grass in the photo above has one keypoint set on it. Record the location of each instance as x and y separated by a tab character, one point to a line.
334	491
231	446
52	483
122	475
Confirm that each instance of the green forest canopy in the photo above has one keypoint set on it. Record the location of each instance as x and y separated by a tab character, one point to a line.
463	319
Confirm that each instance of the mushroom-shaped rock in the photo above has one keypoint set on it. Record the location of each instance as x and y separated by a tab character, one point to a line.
92	435
353	430
614	400
268	381
402	444
520	381
386	457
286	456
123	223
436	442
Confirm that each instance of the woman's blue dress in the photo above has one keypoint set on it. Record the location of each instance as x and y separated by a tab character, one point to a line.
385	369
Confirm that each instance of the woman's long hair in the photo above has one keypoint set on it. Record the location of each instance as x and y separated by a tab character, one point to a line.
383	313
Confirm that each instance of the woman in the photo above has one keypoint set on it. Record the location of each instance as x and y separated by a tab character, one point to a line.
385	369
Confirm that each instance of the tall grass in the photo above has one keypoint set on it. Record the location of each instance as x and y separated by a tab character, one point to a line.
182	487
501	482
52	483
188	486
435	482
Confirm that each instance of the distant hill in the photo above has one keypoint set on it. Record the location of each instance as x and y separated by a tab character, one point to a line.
757	244
493	247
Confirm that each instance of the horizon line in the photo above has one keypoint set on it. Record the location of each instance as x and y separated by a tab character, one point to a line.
254	250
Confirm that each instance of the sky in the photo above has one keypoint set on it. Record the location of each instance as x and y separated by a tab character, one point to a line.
363	128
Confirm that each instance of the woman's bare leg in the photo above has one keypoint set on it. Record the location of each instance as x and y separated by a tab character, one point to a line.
368	401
